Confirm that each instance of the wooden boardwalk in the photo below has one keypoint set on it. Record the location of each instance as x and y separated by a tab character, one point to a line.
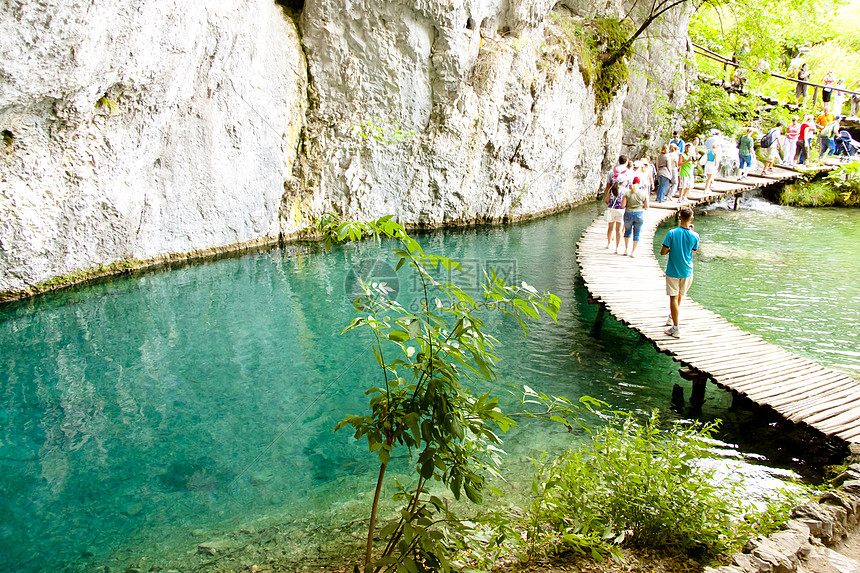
633	290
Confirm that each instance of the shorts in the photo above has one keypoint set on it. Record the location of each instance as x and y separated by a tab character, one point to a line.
686	182
676	286
710	168
614	216
746	161
773	153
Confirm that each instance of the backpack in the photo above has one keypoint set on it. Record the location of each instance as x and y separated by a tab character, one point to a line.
617	173
767	139
615	184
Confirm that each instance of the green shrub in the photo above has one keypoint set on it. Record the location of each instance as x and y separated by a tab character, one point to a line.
710	107
420	400
840	188
639	484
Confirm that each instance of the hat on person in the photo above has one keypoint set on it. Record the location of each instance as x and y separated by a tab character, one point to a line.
637	163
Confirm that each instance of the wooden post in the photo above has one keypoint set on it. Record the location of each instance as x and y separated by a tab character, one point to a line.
598	321
697	396
678	398
699	381
735	208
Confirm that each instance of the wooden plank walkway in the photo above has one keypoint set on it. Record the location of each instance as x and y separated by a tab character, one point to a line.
633	290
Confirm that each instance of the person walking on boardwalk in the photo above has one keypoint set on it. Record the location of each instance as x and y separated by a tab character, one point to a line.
675	153
686	164
827	139
824	117
792	133
807	130
746	144
827	90
802	86
855	99
838	99
677	141
772	141
617	181
635	202
665	166
712	163
650	175
680	243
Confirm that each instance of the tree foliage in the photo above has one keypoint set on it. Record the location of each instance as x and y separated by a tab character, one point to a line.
422	401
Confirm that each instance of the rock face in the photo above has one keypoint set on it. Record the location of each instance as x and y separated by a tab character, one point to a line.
445	112
801	546
659	78
135	130
138	131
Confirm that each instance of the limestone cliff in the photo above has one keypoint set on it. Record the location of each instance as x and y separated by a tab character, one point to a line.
134	129
138	131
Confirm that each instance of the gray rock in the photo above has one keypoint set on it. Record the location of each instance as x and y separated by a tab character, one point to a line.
792	543
826	522
852	486
744	562
142	130
852	472
779	558
825	560
842	499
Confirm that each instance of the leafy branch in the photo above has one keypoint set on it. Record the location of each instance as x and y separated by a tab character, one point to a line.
427	360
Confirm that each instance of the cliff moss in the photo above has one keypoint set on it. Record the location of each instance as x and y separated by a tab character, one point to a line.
590	43
85	274
606	36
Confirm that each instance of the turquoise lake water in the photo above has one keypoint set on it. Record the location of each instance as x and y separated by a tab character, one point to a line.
142	416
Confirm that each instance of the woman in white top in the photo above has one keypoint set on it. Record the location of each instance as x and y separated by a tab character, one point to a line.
838	97
712	163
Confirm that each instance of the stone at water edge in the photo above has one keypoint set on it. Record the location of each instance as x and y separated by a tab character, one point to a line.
825	560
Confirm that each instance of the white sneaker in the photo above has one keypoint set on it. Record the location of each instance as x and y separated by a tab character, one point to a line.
669	321
673	331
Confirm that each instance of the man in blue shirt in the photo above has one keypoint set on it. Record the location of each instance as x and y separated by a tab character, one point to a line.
680	243
676	140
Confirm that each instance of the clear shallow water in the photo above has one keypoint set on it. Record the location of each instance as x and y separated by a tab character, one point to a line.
143	416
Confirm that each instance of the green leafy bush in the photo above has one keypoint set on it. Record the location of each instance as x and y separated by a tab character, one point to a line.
840	188
642	485
710	107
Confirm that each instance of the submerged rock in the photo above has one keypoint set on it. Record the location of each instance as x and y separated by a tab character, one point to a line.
214	547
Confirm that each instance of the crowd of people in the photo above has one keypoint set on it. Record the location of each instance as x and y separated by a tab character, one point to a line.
629	186
671	177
